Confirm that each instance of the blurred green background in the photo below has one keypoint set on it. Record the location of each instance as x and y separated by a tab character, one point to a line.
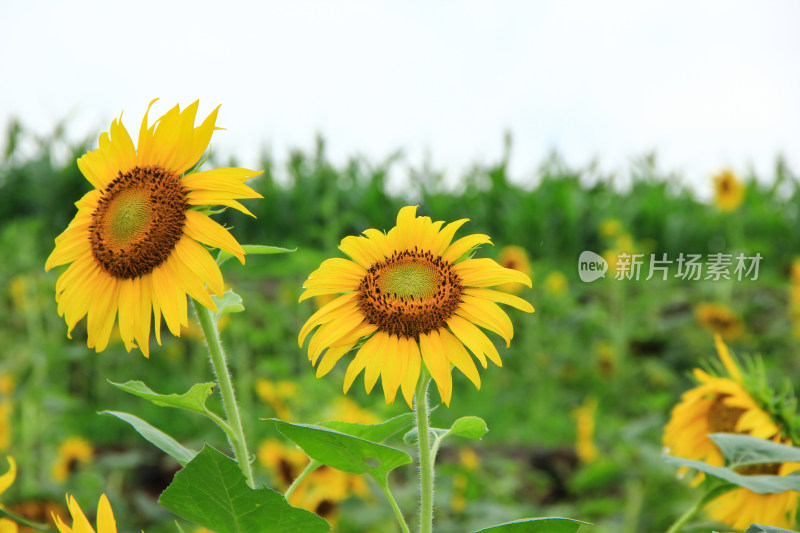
625	347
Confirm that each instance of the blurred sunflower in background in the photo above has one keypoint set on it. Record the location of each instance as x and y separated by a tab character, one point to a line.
410	295
720	320
726	404
321	491
728	191
72	453
135	247
515	258
6	480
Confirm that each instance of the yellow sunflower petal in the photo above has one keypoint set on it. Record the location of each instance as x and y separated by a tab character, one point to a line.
437	364
80	524
325	314
727	360
411	376
457	354
7	479
502	297
375	363
363	356
105	517
201	228
443	239
331	357
463	245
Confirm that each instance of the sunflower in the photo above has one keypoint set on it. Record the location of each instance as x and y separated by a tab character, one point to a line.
321	491
728	191
73	452
6	480
584	423
80	524
412	298
516	258
719	319
724	405
134	247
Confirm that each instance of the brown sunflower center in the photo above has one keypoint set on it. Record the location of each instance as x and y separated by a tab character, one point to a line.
723	418
138	221
769	469
410	293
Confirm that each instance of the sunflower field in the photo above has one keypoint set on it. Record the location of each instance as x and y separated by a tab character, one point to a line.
194	346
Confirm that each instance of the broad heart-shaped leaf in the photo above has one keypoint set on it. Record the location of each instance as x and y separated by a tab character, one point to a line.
762	484
742	450
254	249
229	303
211	492
536	525
344	452
373	432
161	440
758	528
192	400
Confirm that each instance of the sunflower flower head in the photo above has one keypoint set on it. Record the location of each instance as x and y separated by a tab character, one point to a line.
72	453
80	524
734	399
728	191
410	297
719	319
135	247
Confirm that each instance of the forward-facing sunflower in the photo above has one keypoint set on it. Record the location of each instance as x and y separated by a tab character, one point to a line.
413	298
135	244
725	405
728	191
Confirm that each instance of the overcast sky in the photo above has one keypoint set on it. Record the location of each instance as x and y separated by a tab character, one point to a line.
706	84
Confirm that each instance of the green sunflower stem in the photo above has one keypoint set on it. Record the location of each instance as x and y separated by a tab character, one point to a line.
313	465
685	517
396	508
425	455
220	364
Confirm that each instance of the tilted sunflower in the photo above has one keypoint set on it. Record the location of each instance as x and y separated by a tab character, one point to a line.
134	247
412	297
728	191
80	524
516	258
725	405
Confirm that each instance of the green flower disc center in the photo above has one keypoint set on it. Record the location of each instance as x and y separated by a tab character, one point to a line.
409	279
128	216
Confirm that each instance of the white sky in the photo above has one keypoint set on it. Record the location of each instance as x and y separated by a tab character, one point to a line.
706	84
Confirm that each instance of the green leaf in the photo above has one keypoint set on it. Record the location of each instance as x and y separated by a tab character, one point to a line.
192	400
229	303
158	438
537	525
373	432
470	427
344	452
742	450
254	249
758	528
16	518
211	492
762	484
